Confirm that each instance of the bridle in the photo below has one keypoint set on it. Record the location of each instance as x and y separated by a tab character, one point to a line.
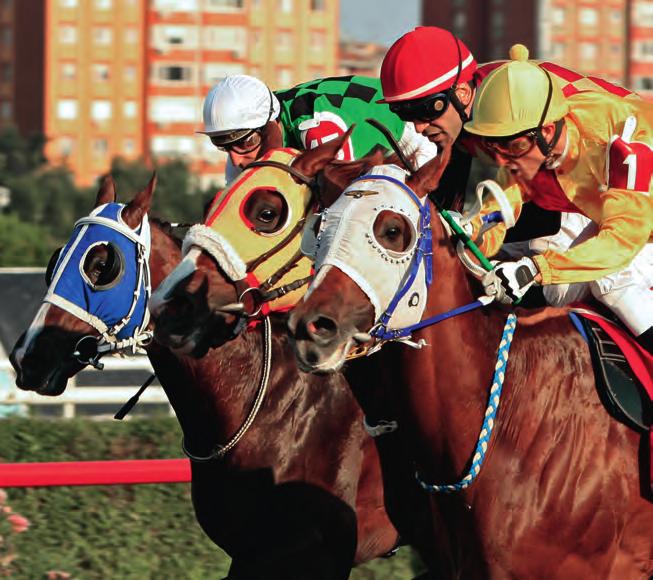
264	292
90	348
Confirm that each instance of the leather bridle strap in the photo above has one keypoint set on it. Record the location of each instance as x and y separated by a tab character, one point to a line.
287	168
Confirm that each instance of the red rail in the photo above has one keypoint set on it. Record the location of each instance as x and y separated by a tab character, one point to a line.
94	472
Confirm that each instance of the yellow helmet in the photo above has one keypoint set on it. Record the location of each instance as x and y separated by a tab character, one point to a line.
516	97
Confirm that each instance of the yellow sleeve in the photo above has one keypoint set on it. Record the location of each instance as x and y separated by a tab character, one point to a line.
493	239
623	231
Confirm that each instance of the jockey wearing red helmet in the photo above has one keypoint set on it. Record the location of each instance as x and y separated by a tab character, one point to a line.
424	72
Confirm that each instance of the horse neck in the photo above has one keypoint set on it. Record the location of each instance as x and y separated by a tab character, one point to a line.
447	381
165	253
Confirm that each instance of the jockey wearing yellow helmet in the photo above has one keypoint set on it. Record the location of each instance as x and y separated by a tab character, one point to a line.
588	153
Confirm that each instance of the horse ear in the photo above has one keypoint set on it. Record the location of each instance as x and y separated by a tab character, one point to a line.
337	175
107	191
133	212
313	160
427	178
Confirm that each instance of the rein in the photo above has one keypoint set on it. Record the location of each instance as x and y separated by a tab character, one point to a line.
221	450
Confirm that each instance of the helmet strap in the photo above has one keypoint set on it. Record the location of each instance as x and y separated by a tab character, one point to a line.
545	147
453	97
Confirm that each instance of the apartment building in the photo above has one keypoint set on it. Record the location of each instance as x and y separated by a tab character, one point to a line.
102	78
608	38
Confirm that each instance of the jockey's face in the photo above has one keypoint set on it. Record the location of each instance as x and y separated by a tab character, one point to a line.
446	128
260	141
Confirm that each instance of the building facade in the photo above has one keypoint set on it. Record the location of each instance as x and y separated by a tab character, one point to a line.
102	78
612	39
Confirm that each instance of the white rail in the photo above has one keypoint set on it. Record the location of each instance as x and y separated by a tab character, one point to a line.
75	395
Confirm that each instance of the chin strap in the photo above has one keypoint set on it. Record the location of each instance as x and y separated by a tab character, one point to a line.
544	147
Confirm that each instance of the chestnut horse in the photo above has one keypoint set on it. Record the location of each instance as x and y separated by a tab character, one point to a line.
257	221
280	502
560	493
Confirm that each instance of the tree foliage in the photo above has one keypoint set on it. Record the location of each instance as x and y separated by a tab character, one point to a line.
45	202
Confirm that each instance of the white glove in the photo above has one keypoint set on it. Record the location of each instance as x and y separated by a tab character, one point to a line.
509	281
466	226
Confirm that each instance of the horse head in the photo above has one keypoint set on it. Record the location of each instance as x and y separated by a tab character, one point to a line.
245	261
373	265
98	288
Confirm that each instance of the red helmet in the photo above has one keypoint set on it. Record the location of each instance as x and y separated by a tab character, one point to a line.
424	61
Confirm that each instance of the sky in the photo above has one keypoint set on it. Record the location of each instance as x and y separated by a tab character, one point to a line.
380	21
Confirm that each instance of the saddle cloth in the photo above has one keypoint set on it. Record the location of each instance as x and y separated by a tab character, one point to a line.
623	371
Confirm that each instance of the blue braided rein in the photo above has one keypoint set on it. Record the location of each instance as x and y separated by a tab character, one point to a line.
490	414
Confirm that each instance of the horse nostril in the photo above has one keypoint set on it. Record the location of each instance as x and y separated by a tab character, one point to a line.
322	329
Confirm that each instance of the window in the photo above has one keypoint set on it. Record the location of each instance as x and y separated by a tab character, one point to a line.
284	40
615	16
167	36
284	77
588	51
179	109
100	147
67	109
129	109
68	3
129	146
643	14
318	5
214	72
175	5
67	34
66	146
6	110
169	145
131	35
223	5
643	83
588	17
6	35
102	35
129	72
643	50
459	22
103	4
558	50
101	72
285	5
558	17
175	73
68	71
233	38
6	72
317	40
101	110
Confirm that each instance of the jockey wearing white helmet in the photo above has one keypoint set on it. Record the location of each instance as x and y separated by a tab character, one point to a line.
241	113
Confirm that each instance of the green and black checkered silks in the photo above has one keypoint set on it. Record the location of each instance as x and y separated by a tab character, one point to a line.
352	98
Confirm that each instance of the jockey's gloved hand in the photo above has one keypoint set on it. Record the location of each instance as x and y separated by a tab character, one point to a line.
458	218
509	281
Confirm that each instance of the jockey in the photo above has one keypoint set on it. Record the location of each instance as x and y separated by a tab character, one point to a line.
588	153
241	113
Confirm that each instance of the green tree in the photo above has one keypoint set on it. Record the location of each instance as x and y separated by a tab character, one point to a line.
23	244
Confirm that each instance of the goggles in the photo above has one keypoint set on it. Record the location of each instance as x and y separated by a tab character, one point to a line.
245	144
425	109
514	146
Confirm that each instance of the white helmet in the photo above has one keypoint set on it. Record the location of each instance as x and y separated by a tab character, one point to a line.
236	105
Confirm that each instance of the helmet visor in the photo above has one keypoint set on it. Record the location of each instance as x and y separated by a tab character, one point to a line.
425	109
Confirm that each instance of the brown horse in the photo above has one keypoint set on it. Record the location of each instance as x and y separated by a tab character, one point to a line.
281	502
559	493
198	303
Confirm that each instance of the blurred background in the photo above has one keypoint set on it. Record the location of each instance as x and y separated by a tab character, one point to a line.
90	86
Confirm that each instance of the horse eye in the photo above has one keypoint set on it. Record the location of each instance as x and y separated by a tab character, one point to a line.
267	215
393	232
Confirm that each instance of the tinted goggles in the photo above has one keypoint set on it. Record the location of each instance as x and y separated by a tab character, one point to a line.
246	144
424	109
514	146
